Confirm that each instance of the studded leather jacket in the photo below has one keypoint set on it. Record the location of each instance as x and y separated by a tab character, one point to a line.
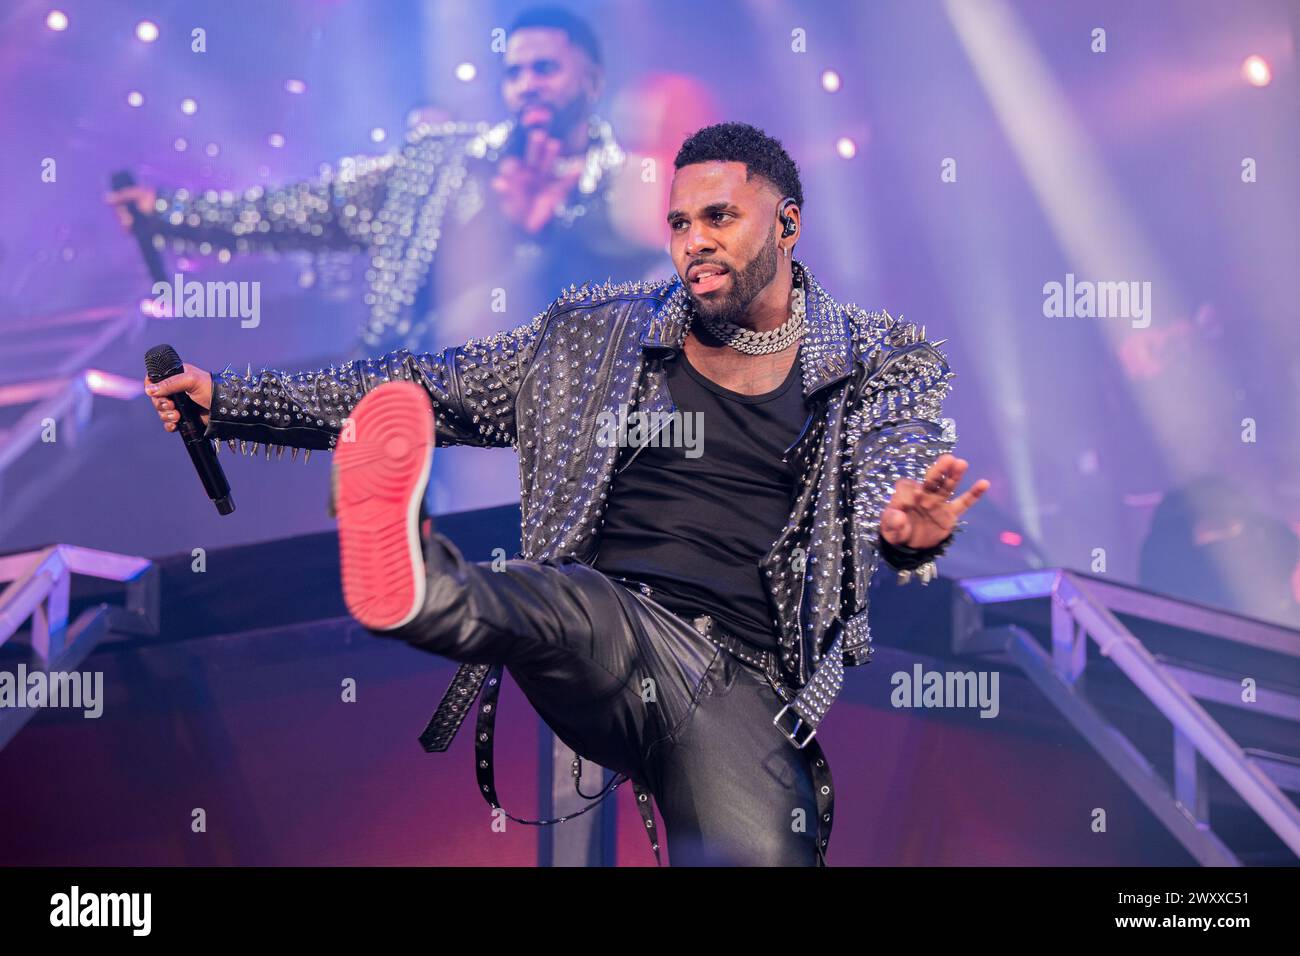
874	385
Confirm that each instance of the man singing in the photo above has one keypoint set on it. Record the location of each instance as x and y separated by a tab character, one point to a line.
689	589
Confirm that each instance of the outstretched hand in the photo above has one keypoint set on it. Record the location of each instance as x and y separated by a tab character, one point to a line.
920	515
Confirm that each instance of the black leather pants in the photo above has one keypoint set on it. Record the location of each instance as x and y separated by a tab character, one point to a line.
630	685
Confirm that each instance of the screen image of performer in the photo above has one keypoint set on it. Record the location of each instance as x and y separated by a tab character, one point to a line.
526	200
711	467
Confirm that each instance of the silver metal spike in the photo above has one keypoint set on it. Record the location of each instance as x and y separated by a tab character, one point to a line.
243	447
294	456
254	451
268	452
250	370
216	445
230	443
306	456
279	451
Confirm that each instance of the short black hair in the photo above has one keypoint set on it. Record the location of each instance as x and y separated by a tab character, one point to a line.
575	28
742	143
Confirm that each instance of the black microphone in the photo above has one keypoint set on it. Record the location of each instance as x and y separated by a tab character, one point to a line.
162	362
140	229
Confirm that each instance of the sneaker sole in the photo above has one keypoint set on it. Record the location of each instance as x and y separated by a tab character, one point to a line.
379	480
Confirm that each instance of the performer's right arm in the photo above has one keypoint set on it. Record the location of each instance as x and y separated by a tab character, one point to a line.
336	211
472	386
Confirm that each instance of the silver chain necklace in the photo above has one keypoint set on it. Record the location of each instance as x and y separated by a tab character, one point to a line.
761	343
603	154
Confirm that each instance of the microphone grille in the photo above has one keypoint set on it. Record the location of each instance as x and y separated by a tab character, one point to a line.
162	361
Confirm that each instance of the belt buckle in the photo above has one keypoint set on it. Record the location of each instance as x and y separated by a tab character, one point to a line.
792	734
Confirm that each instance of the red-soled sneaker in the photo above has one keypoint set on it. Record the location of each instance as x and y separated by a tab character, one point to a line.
379	478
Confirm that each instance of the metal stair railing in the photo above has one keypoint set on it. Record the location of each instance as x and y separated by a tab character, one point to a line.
39	590
44	364
1084	608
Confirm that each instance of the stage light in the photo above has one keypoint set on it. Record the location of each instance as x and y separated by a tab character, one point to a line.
1256	70
111	385
295	86
146	31
1011	538
56	20
189	106
846	147
377	135
135	98
155	309
276	140
466	72
212	149
180	144
830	81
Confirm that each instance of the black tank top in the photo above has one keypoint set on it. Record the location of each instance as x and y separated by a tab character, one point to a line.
696	510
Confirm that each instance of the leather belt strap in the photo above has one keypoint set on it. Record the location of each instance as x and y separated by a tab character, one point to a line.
485	771
454	706
814	699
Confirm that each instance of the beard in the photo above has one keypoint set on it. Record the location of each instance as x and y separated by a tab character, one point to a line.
564	117
746	285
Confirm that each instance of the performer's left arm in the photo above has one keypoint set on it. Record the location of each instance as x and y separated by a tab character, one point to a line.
904	474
